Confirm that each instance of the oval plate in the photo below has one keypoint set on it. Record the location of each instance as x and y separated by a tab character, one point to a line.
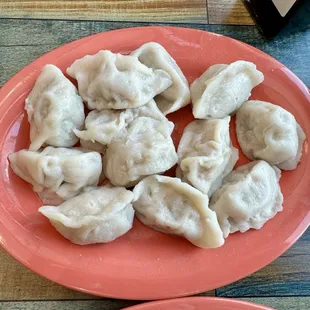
199	303
145	264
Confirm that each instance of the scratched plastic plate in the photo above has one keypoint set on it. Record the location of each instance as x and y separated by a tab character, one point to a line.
199	303
145	264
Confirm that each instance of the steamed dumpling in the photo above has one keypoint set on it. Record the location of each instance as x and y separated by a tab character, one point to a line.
250	196
98	215
145	149
267	131
114	81
101	127
222	89
171	206
54	110
155	56
206	155
93	146
57	174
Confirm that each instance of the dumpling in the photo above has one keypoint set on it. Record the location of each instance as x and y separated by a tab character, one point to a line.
98	215
101	127
57	174
267	131
145	149
114	81
250	196
205	154
149	110
54	110
171	206
93	146
177	95
222	89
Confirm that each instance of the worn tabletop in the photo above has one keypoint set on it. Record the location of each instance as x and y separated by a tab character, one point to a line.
30	28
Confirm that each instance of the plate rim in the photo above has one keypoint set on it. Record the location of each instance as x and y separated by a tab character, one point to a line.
204	299
297	233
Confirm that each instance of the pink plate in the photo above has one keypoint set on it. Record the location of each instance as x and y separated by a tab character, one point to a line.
199	303
145	264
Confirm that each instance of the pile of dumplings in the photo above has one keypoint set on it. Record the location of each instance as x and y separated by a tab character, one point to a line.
126	138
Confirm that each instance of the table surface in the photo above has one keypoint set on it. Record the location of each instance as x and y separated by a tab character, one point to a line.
30	28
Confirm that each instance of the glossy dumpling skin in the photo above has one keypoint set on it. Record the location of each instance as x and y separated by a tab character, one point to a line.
269	132
98	215
205	154
57	174
101	127
54	110
155	56
249	197
114	81
222	89
171	206
146	148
